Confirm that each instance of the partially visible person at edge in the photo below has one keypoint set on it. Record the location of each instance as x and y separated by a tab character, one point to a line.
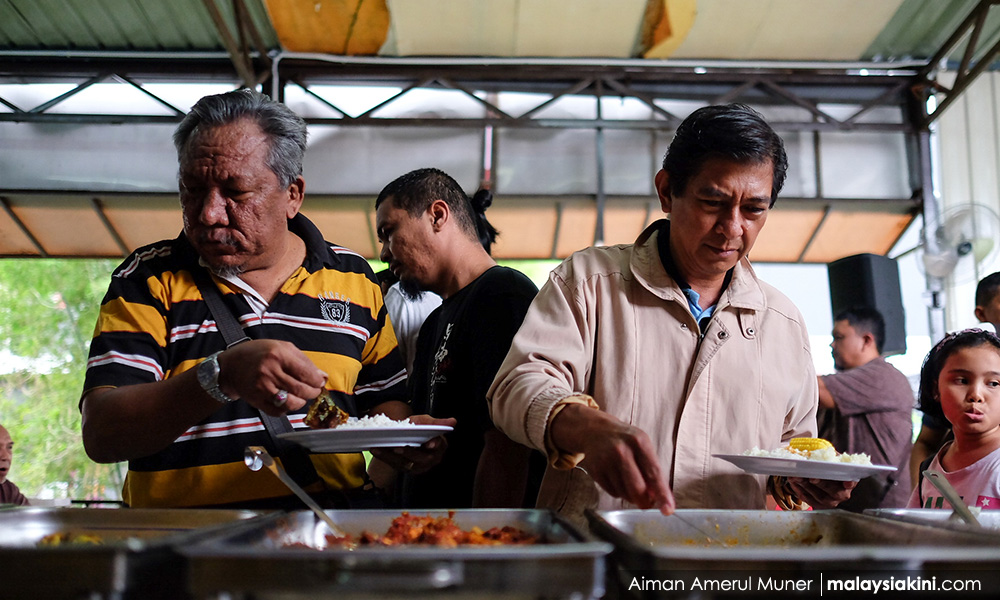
435	238
162	390
988	301
9	494
934	428
867	407
407	312
961	375
636	364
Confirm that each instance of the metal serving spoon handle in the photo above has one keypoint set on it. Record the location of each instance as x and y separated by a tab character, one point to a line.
256	457
939	481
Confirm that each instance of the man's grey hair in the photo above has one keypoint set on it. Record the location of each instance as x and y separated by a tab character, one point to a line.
285	130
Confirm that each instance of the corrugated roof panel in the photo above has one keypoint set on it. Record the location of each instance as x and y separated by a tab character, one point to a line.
920	27
121	24
749	29
117	22
168	31
196	29
13	26
29	24
262	21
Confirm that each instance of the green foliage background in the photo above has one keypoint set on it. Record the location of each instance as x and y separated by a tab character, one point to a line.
48	309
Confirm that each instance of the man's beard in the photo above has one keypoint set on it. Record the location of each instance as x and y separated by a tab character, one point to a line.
224	270
227	271
411	289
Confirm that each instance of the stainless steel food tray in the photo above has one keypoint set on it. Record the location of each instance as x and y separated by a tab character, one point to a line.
941	517
257	562
783	543
135	559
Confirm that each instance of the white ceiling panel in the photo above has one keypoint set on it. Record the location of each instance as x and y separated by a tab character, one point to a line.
551	28
785	29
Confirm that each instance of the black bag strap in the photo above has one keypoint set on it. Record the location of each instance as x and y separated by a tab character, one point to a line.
926	464
293	456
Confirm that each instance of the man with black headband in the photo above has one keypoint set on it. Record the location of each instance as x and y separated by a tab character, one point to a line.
435	238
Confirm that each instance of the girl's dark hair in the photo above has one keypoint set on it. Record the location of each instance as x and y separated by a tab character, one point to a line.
484	229
927	398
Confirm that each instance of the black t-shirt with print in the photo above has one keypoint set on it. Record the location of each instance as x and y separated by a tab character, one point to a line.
459	351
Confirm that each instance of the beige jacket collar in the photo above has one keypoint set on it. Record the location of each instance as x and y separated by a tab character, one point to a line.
744	291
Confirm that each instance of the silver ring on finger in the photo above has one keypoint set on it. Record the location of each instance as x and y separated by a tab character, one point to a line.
280	398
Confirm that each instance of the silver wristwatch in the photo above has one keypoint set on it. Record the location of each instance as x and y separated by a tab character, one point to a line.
208	377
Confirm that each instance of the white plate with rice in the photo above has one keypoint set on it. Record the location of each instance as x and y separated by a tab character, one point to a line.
356	435
803	467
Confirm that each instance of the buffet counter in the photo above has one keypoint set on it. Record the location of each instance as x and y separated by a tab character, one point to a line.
229	555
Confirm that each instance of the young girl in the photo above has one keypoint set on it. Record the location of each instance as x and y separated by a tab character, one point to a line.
961	378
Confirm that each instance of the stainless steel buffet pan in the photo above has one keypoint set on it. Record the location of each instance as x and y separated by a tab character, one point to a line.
942	517
135	558
783	543
258	561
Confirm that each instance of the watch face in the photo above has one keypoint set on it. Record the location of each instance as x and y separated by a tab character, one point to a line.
208	373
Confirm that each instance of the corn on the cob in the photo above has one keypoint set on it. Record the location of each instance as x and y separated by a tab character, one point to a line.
809	444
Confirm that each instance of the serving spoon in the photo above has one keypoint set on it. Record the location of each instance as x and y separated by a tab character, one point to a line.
710	537
257	457
942	484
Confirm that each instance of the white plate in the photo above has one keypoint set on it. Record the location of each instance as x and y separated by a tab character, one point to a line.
790	467
356	440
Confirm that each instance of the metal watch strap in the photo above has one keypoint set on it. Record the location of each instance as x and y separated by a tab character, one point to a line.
213	388
294	458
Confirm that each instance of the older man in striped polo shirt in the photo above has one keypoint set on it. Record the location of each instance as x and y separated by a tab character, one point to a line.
162	389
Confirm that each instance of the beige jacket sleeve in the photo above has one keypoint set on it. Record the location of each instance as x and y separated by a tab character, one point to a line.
547	367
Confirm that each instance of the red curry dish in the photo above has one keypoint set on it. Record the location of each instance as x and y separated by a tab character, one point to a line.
442	532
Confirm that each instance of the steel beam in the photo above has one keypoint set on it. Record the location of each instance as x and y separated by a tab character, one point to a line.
972	64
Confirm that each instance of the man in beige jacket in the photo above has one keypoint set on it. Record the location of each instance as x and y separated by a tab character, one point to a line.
636	364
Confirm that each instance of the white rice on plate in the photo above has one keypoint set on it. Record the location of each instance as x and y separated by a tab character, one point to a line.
823	454
374	422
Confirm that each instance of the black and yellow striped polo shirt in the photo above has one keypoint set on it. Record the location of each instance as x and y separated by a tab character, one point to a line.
154	324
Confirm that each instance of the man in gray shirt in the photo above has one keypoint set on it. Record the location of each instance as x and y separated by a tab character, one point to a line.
867	407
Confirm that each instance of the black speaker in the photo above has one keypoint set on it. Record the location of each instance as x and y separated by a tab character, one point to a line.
870	280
